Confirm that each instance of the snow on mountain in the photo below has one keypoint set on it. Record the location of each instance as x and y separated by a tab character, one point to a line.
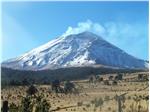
83	49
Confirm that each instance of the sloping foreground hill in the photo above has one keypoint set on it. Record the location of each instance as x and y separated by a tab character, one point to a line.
17	77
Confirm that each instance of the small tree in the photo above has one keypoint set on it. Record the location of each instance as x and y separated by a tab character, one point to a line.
116	77
69	87
13	108
119	77
91	79
114	82
26	105
56	86
100	79
110	77
79	104
107	98
32	90
5	106
140	77
106	82
99	103
25	82
42	105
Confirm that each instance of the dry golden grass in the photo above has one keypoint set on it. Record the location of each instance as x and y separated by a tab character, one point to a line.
89	92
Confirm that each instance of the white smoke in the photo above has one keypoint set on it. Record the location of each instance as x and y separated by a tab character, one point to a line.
117	33
86	26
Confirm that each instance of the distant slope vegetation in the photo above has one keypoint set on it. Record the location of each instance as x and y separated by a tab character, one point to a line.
69	58
22	77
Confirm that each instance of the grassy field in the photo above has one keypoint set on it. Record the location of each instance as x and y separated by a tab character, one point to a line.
129	95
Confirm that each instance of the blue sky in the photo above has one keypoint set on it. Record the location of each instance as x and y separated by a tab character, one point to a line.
26	25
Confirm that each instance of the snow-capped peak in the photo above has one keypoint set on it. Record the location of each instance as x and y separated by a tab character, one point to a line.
83	49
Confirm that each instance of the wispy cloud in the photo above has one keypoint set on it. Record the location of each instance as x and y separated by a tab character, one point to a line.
129	37
86	26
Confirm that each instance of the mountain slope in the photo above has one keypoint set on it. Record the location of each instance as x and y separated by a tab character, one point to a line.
84	49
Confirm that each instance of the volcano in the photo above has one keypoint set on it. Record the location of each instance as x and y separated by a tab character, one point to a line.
83	49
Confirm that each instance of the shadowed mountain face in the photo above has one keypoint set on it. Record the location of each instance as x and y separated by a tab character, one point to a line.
84	49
